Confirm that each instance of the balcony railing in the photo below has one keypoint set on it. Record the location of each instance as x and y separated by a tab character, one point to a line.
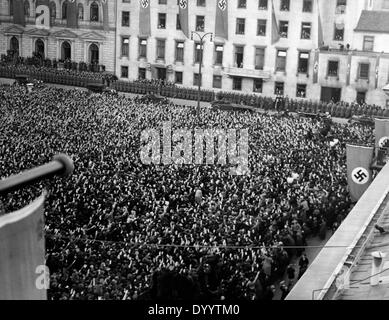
247	73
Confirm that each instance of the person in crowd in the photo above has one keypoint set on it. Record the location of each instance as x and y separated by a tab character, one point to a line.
122	229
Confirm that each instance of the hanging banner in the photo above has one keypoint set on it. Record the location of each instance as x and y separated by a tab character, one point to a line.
183	15
144	18
23	274
359	174
221	26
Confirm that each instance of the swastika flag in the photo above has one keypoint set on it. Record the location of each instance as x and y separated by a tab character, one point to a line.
381	130
358	170
22	253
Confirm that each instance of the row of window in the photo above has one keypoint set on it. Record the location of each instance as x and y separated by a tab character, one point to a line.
240	25
259	63
301	89
264	4
242	4
94	10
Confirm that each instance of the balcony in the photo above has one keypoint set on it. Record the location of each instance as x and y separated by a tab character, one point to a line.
247	73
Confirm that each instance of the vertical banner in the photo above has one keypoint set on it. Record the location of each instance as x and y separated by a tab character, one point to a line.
320	35
144	18
381	132
105	15
184	16
221	25
23	275
349	60
72	14
377	66
19	17
316	66
359	174
275	31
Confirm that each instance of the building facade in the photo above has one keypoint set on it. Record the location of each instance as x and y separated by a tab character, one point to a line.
89	42
324	49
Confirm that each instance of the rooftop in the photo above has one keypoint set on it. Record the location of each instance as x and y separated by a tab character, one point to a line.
373	21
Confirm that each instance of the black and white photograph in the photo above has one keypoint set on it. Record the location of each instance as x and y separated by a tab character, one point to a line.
194	156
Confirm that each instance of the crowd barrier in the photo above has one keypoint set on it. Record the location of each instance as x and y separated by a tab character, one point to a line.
172	91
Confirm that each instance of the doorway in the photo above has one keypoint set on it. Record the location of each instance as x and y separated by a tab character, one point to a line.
161	73
66	51
94	54
40	48
331	94
361	97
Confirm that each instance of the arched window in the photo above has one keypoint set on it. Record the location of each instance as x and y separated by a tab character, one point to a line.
11	7
80	12
40	48
66	51
14	45
94	54
64	10
26	8
53	11
94	11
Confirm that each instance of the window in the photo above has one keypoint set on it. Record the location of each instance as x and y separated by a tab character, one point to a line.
339	33
125	46
258	85
217	82
262	4
180	51
285	5
279	88
161	49
201	3
307	6
237	83
94	11
239	55
80	11
125	19
259	58
11	7
196	79
284	27
303	62
242	4
368	43
142	48
261	27
178	23
53	12
364	69
301	91
64	10
240	25
161	20
333	68
200	23
219	49
197	52
26	8
281	60
306	30
178	77
124	72
141	73
341	6
162	1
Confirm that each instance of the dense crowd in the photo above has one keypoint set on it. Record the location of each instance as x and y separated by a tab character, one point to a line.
120	229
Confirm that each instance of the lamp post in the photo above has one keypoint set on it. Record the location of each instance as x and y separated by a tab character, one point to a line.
201	37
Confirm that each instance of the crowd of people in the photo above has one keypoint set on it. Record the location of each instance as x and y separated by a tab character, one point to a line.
121	229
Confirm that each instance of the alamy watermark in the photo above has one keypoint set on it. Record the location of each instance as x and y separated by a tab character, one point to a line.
227	147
